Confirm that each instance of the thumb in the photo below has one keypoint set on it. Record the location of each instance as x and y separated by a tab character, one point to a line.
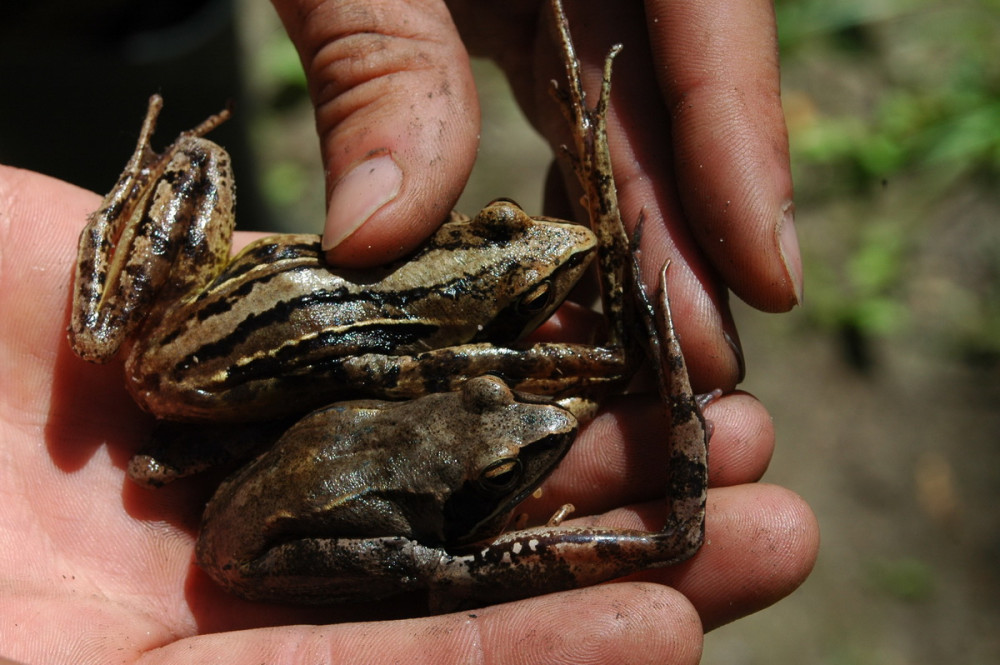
397	116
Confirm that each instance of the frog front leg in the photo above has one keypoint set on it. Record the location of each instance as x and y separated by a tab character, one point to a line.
162	232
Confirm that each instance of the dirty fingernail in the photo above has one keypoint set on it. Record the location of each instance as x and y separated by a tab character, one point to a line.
789	246
358	194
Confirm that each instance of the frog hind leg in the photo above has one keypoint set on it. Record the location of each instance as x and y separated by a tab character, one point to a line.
176	450
163	230
590	158
689	432
532	562
323	571
627	304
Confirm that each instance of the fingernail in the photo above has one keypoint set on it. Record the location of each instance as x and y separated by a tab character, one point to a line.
358	194
732	341
788	244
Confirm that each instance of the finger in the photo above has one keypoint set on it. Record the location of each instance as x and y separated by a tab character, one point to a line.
761	542
623	452
597	625
397	115
43	218
717	67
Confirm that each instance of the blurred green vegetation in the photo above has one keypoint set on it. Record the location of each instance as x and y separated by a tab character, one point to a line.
907	579
894	119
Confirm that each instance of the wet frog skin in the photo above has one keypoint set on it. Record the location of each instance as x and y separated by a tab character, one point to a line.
218	339
356	501
444	470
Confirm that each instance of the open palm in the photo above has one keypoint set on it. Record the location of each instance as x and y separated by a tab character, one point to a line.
96	570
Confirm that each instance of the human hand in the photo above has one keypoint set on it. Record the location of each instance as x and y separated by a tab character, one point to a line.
696	130
96	569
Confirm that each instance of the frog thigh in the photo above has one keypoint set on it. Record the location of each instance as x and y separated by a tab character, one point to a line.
319	571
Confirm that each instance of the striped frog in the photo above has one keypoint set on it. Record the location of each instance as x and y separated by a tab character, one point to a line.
412	487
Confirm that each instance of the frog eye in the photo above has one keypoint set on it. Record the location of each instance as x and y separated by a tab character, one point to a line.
505	200
537	299
502	217
501	475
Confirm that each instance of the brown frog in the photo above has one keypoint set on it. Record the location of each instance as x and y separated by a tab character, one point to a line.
367	498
